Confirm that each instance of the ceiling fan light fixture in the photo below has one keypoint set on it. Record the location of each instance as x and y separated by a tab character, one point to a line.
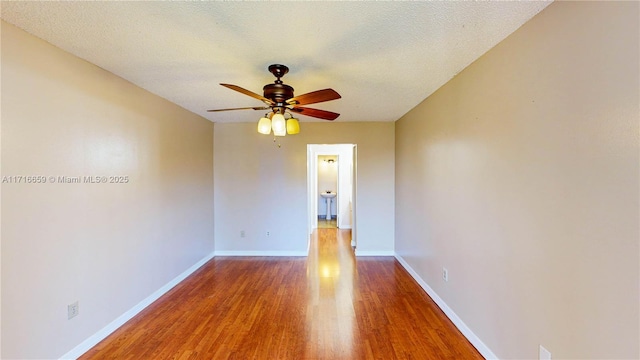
264	126
293	126
278	124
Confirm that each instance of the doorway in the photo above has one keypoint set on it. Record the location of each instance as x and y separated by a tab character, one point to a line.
332	173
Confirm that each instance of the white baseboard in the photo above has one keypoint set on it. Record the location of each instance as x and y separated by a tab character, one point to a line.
374	253
261	253
92	341
464	329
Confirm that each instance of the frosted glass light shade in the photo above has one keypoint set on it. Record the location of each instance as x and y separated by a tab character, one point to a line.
278	125
264	126
293	126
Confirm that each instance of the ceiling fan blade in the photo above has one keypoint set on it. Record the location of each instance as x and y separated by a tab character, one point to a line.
314	97
321	114
242	108
247	92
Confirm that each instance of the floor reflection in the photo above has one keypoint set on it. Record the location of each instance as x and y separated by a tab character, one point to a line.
330	313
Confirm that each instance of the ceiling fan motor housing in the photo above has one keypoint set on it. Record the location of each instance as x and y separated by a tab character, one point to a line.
279	93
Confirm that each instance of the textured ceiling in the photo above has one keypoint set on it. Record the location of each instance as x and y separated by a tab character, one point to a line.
384	58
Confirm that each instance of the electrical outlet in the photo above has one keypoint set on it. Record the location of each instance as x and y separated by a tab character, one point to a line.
544	354
268	233
242	233
73	310
445	274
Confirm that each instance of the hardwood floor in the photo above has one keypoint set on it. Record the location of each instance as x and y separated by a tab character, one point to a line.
327	224
326	306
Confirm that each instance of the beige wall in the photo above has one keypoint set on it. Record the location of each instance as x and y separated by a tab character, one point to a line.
108	246
521	177
260	187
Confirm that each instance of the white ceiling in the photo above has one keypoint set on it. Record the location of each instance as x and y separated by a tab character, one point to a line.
384	58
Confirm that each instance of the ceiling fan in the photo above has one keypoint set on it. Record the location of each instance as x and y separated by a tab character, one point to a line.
279	98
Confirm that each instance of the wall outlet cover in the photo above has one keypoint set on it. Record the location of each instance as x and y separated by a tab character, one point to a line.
73	310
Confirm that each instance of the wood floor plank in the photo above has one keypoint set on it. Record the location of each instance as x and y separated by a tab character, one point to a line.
326	306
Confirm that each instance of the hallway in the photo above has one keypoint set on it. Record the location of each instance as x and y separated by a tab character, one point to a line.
326	306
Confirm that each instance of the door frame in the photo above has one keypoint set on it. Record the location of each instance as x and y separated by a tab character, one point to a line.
347	169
